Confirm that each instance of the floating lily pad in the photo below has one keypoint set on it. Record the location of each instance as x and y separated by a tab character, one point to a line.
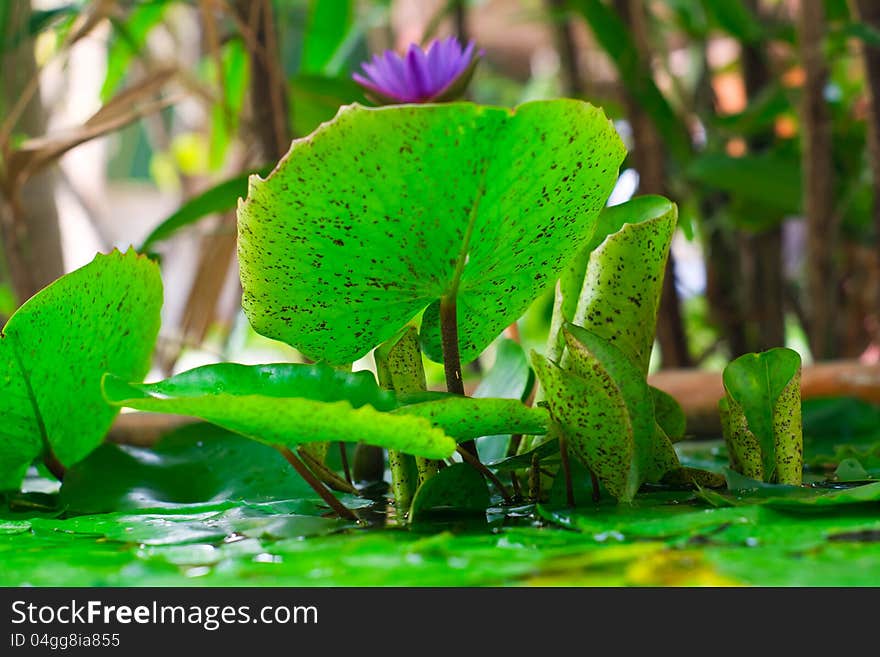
197	465
458	489
797	499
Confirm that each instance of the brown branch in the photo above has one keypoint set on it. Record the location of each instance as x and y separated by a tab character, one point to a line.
650	159
818	182
566	47
269	102
761	253
868	11
459	15
343	456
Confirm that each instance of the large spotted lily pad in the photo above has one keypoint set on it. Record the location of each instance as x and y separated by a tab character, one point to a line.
381	213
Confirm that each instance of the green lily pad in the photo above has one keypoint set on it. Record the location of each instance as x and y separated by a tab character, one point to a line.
457	489
669	414
624	277
179	528
851	469
56	347
600	432
654	453
761	415
464	418
840	428
197	465
286	405
380	213
708	455
795	499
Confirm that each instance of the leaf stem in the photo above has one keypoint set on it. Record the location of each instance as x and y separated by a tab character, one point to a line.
449	341
534	479
514	483
597	495
326	475
343	455
304	472
54	466
404	479
470	459
451	355
566	471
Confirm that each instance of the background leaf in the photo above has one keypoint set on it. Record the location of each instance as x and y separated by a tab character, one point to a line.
327	31
615	39
735	18
220	198
771	180
316	99
129	39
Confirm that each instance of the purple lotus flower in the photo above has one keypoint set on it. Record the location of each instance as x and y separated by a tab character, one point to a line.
420	76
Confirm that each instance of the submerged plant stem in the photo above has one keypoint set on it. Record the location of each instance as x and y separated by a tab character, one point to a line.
470	459
304	472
